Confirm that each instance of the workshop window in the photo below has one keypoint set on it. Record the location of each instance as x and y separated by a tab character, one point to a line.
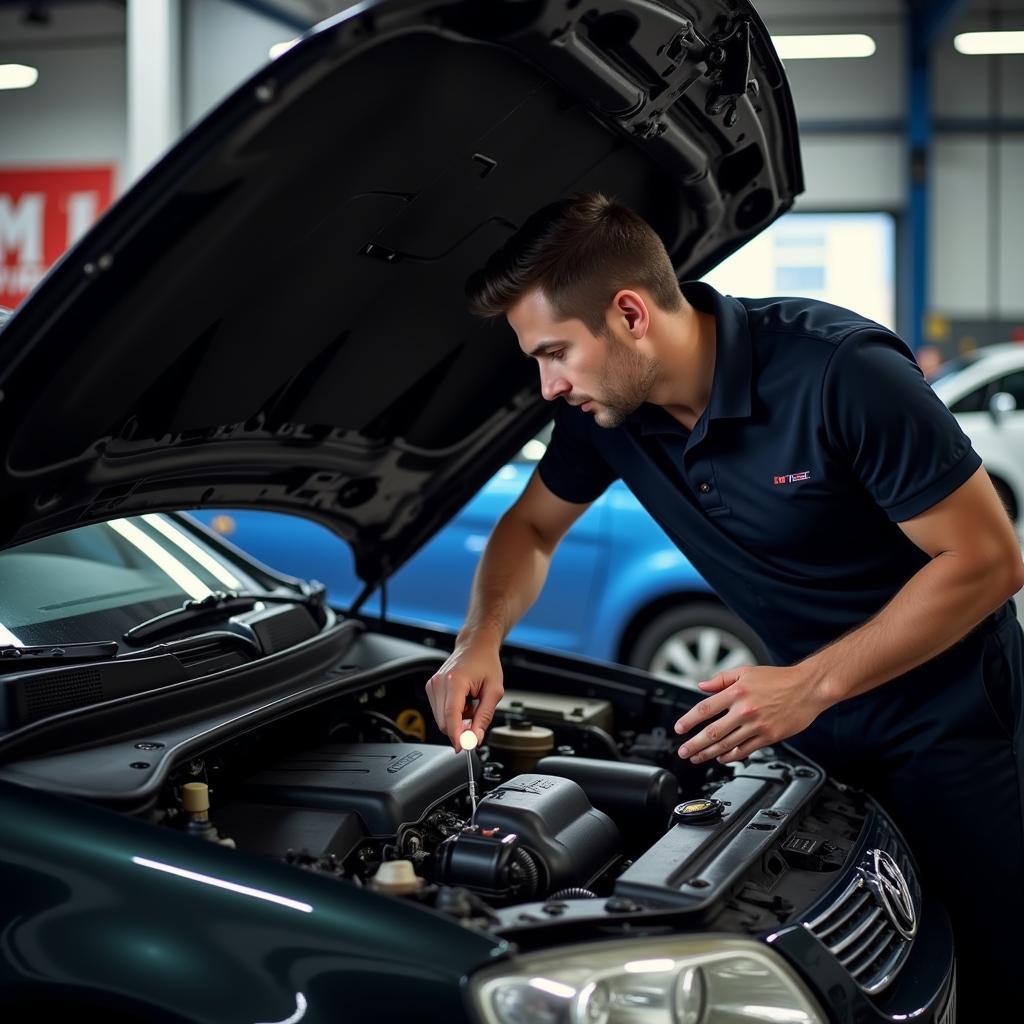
973	401
1014	385
799	280
847	259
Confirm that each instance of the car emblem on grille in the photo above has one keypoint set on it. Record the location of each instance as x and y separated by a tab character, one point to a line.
887	880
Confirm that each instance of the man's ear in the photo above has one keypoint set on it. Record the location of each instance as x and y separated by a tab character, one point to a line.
629	308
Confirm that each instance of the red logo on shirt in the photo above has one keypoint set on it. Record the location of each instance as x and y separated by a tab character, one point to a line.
791	478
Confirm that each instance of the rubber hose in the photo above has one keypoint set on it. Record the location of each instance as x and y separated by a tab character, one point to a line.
572	894
531	876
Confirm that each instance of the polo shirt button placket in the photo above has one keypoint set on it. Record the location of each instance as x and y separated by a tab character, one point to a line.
701	475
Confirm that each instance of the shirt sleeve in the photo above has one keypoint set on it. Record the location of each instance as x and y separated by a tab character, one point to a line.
902	443
572	468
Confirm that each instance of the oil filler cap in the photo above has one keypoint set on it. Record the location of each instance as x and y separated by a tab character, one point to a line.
697	812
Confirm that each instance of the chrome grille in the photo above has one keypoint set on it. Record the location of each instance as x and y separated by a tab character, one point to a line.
858	928
886	839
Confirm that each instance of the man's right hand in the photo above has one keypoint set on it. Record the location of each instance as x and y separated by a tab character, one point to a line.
508	579
469	674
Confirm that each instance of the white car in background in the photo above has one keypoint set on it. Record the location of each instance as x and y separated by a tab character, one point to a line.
985	391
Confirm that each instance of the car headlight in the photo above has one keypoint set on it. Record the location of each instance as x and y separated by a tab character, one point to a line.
705	980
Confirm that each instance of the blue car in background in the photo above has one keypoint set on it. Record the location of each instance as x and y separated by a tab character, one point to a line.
618	589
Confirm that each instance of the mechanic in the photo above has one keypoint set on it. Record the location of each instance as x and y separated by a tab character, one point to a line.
796	455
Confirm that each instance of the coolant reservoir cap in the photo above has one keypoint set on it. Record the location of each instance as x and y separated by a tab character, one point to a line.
195	796
697	812
516	737
396	876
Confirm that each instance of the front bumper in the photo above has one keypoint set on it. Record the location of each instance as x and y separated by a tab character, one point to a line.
908	978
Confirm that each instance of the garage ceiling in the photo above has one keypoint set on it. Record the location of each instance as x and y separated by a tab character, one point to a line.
91	16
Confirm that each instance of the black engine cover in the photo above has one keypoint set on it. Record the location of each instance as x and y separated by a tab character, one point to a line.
386	784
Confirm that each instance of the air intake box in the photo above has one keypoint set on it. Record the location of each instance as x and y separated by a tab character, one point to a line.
638	797
572	842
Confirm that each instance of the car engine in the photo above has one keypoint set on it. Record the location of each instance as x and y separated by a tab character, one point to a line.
586	819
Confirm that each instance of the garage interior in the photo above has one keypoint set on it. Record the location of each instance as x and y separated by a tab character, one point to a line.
911	127
925	134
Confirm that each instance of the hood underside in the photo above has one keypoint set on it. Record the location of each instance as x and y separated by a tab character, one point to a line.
274	316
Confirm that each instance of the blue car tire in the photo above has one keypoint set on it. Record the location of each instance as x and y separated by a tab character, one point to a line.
692	642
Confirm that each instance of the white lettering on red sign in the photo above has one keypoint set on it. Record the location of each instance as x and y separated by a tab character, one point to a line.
43	211
21	226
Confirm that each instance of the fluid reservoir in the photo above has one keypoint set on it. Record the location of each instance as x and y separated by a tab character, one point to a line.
195	801
397	877
520	745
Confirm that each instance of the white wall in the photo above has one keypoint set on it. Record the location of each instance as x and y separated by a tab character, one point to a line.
853	172
843	170
978	199
223	45
972	209
77	111
75	114
859	89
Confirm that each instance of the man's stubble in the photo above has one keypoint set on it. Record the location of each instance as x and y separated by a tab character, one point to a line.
626	381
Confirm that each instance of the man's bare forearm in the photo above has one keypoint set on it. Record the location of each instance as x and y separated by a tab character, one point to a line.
764	704
974	566
508	579
937	606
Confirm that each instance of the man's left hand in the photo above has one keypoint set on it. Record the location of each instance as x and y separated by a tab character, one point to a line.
762	705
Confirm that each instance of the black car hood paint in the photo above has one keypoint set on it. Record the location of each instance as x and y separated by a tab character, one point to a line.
274	315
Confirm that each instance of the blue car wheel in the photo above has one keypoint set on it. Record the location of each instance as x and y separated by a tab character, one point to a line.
692	642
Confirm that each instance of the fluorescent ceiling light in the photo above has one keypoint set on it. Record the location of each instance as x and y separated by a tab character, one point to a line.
17	76
278	48
989	42
830	46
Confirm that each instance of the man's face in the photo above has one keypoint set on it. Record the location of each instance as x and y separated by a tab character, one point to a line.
606	376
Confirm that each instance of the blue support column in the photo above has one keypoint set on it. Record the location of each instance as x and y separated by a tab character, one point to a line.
926	22
919	138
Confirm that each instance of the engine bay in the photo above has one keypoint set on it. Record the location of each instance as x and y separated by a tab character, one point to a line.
586	816
575	820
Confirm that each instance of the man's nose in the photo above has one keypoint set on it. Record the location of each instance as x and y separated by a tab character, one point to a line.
553	385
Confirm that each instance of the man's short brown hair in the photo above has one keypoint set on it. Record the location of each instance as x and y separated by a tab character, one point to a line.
580	251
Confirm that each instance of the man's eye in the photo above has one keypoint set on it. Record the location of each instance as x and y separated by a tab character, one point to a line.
558	354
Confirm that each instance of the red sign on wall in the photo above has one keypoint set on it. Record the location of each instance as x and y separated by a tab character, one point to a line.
42	212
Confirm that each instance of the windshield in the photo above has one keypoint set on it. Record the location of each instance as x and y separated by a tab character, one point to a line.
95	582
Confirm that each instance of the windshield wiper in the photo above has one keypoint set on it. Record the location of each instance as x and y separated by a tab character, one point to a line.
17	659
223	603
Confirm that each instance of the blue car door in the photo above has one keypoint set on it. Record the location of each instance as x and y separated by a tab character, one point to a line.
433	587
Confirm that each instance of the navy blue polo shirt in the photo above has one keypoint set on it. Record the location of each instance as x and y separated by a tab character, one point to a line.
819	437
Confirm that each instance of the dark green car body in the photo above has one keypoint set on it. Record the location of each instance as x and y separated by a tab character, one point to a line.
91	922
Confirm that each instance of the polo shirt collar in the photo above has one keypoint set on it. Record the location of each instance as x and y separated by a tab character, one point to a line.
732	381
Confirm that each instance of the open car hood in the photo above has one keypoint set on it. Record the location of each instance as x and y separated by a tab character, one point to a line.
274	315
